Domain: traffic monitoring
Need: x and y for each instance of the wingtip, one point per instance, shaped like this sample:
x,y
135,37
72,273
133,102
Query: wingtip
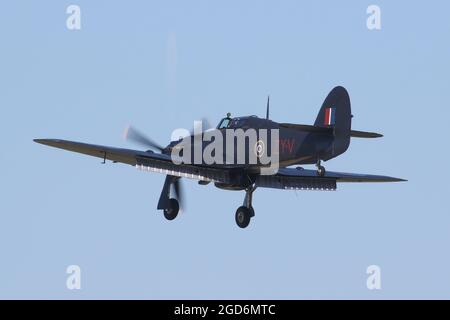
x,y
47,141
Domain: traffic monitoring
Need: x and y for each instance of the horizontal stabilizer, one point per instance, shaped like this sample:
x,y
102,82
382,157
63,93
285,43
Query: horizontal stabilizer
x,y
306,128
364,134
316,129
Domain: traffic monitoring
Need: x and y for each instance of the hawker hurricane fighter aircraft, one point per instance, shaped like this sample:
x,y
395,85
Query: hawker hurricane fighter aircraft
x,y
269,155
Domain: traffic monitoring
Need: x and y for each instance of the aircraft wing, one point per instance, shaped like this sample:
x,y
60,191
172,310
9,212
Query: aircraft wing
x,y
293,178
286,178
143,160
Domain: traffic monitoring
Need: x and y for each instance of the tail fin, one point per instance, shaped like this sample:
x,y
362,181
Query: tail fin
x,y
336,113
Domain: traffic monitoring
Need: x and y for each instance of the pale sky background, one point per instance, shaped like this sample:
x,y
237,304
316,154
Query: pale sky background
x,y
161,65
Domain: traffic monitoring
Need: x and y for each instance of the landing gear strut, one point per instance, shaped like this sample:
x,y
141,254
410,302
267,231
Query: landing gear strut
x,y
245,212
320,169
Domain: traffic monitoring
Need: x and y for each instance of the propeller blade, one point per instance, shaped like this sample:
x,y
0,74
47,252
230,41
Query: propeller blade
x,y
134,135
205,125
177,187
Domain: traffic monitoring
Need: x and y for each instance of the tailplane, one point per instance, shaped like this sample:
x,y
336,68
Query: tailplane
x,y
364,134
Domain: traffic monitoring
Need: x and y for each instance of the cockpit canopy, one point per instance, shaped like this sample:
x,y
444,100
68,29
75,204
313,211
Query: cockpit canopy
x,y
233,123
224,123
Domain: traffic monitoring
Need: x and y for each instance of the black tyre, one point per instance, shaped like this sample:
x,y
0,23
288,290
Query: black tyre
x,y
321,171
172,211
243,215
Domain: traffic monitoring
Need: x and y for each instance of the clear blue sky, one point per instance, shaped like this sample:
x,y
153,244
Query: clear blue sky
x,y
161,65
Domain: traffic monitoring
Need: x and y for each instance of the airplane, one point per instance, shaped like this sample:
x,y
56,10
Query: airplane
x,y
298,144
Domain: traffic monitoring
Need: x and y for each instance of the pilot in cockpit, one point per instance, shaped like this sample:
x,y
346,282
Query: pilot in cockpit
x,y
225,122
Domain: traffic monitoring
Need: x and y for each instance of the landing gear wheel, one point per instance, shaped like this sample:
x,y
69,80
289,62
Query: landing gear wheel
x,y
172,211
321,171
243,215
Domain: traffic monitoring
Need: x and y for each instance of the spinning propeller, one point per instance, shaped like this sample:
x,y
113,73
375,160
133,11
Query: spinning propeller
x,y
135,136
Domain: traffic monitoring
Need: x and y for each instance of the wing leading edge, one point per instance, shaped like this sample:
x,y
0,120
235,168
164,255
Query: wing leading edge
x,y
127,156
142,160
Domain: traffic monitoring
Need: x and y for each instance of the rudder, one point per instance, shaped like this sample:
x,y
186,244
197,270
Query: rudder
x,y
336,113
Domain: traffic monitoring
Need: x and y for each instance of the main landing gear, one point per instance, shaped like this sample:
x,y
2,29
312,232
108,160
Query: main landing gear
x,y
320,169
245,212
172,209
170,206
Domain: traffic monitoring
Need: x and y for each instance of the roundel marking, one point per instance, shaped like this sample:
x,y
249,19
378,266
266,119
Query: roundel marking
x,y
259,148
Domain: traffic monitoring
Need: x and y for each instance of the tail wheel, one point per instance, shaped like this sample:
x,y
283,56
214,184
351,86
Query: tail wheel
x,y
243,215
171,212
321,171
